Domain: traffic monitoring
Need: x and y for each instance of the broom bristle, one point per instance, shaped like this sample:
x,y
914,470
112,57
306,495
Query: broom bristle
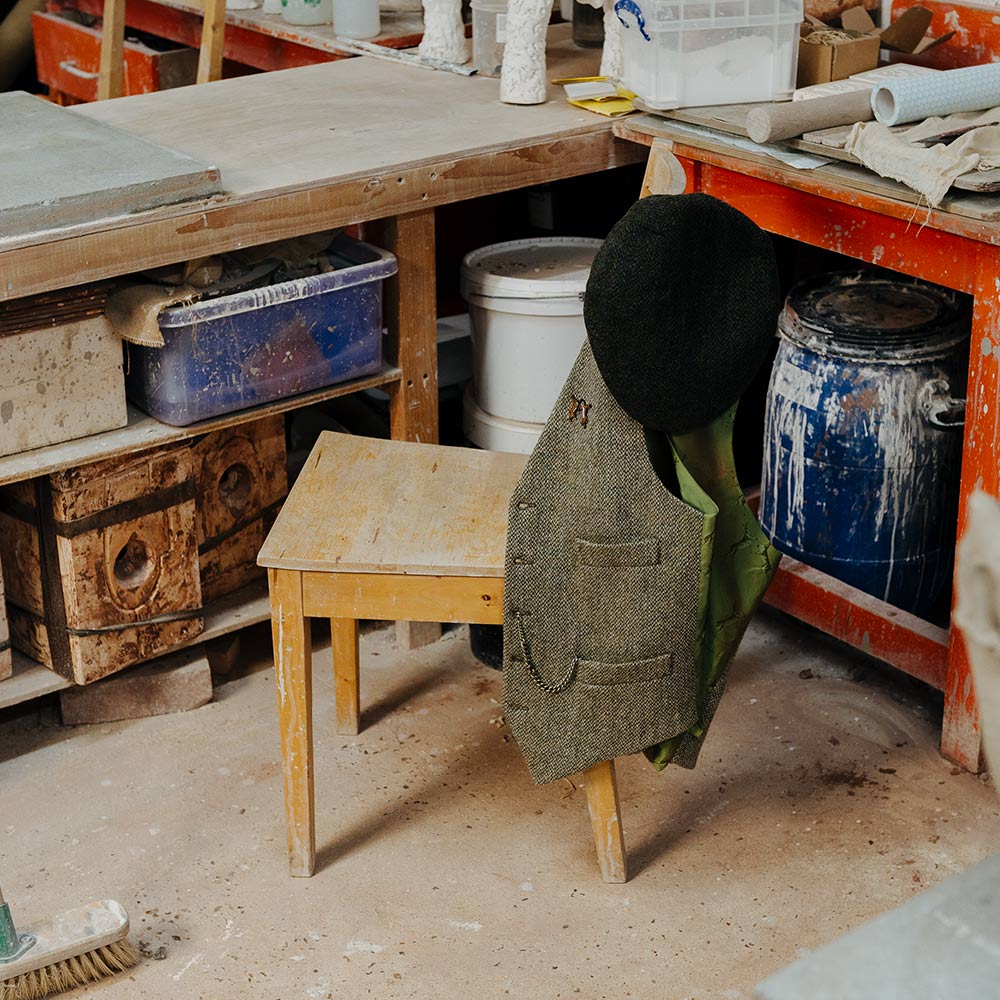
x,y
78,970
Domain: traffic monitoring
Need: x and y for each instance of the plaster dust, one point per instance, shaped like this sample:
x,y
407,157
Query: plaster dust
x,y
820,801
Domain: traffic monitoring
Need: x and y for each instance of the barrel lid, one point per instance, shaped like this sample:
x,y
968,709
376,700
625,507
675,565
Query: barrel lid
x,y
548,268
874,316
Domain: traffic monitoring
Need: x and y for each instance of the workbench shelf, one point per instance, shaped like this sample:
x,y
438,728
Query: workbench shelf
x,y
244,607
143,431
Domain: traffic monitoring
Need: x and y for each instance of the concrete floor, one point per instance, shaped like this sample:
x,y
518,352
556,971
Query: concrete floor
x,y
820,801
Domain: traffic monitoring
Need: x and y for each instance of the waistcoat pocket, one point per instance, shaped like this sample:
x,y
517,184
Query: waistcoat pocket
x,y
642,552
598,674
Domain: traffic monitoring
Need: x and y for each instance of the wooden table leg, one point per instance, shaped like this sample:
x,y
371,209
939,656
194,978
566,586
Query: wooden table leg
x,y
293,676
605,815
346,674
411,318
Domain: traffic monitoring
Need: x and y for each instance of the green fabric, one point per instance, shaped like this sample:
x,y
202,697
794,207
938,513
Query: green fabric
x,y
737,565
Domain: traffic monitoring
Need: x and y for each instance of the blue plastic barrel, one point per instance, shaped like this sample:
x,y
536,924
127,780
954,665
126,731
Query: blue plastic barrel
x,y
863,433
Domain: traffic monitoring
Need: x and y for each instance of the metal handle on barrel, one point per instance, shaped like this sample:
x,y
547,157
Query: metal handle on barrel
x,y
939,408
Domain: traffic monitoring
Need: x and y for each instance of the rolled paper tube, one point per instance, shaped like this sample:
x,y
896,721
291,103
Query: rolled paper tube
x,y
770,123
910,99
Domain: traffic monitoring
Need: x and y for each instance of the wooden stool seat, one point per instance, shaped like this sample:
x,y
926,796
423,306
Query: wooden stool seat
x,y
399,531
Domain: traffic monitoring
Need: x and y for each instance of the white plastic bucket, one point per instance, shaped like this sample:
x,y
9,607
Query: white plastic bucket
x,y
495,433
526,304
356,18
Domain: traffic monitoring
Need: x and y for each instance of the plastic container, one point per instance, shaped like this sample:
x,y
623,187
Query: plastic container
x,y
489,35
239,350
526,304
306,12
272,6
691,53
863,433
356,18
497,433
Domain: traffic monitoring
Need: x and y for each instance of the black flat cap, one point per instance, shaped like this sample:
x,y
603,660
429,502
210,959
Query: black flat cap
x,y
681,308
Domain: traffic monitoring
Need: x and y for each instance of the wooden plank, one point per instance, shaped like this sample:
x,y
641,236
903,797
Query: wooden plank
x,y
365,505
213,28
29,680
605,817
143,431
387,597
112,64
293,681
908,643
63,169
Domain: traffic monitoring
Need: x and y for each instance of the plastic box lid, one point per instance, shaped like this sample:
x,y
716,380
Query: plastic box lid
x,y
364,263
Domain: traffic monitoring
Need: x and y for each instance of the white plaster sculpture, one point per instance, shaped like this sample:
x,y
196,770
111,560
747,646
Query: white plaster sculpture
x,y
522,80
444,32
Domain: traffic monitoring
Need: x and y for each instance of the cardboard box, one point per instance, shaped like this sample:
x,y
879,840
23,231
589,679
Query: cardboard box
x,y
820,63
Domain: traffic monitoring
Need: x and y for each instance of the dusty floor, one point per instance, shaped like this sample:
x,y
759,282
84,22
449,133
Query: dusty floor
x,y
820,801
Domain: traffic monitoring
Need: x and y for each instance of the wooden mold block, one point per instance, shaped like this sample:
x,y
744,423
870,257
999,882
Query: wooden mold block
x,y
59,382
6,660
242,481
101,562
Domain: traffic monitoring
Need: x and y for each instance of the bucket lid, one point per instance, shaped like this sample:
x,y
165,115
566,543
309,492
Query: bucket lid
x,y
551,268
873,316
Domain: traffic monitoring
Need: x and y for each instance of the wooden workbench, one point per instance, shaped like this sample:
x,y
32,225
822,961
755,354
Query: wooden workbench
x,y
303,150
253,38
849,210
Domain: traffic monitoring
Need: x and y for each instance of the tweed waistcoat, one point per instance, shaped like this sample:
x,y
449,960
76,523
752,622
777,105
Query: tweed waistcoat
x,y
601,591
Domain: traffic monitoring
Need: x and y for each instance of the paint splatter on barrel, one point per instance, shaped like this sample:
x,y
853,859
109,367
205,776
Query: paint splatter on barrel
x,y
863,433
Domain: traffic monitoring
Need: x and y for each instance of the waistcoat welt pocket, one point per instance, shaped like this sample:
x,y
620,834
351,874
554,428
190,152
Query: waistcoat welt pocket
x,y
643,552
631,672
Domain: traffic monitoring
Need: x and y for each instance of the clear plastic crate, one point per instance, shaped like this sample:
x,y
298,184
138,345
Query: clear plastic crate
x,y
690,53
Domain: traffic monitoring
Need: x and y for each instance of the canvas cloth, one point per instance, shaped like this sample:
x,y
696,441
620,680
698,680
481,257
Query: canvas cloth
x,y
603,590
904,155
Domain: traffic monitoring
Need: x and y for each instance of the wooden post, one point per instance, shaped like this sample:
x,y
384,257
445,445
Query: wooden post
x,y
346,674
213,31
605,816
960,737
411,317
293,676
110,80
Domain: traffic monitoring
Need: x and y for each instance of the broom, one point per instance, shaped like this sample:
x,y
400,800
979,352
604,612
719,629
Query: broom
x,y
77,947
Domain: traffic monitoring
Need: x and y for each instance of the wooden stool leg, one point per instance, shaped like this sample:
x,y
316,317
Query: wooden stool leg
x,y
346,674
293,676
605,815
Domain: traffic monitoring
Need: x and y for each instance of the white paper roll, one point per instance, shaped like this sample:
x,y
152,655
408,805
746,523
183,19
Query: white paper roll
x,y
911,99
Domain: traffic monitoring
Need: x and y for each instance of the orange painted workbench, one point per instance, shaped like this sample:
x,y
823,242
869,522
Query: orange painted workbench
x,y
842,208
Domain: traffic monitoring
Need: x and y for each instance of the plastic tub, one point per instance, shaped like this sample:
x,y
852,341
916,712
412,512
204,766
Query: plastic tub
x,y
306,12
489,35
356,18
495,433
526,304
691,53
240,350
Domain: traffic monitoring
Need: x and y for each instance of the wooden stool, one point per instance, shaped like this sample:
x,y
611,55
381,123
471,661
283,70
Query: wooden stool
x,y
398,531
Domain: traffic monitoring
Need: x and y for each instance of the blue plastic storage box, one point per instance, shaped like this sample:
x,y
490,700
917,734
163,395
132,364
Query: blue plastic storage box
x,y
239,350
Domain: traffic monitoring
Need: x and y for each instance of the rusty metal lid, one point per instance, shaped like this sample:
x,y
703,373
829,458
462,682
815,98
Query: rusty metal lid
x,y
872,316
